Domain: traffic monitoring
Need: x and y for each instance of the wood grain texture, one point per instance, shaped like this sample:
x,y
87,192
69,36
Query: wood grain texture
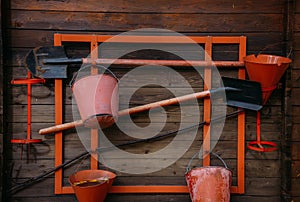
x,y
295,150
297,7
261,187
123,6
173,115
256,41
33,23
266,169
296,40
165,197
297,23
123,22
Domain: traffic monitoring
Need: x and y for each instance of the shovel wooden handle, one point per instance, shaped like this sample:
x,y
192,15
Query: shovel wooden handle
x,y
61,127
65,126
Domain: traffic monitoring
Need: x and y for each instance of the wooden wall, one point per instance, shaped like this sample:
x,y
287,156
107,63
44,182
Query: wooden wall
x,y
294,102
29,24
1,104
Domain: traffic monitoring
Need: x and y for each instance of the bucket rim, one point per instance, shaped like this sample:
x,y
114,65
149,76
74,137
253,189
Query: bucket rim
x,y
90,66
203,167
89,76
285,60
94,170
91,186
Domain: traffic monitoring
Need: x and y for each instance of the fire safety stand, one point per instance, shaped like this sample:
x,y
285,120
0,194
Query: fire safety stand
x,y
208,42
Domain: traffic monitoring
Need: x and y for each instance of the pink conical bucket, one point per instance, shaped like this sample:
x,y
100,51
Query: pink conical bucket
x,y
267,70
97,99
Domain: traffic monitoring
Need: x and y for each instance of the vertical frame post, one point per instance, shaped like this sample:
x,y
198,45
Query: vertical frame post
x,y
58,97
207,103
241,126
94,132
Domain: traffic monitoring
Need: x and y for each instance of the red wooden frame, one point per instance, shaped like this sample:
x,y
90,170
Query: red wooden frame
x,y
208,41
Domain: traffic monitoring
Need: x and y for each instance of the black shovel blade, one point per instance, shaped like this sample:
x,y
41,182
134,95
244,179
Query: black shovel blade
x,y
248,94
34,62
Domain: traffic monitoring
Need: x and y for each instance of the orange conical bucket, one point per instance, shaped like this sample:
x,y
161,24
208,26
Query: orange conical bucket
x,y
97,99
91,185
267,70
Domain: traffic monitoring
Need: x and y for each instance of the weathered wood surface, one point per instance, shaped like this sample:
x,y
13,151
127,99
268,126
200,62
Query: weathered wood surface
x,y
260,187
56,20
44,93
226,149
138,198
296,61
26,39
33,24
295,152
19,112
2,139
254,168
123,6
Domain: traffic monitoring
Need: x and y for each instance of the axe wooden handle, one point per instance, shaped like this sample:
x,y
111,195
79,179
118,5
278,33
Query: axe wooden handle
x,y
133,110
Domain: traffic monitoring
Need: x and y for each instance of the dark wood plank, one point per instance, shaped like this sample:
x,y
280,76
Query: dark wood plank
x,y
295,198
176,22
3,143
56,198
31,39
73,147
46,113
296,39
44,93
263,187
295,150
295,136
295,187
295,114
297,23
254,168
156,197
243,198
296,169
296,60
294,96
33,24
269,131
297,7
295,73
191,6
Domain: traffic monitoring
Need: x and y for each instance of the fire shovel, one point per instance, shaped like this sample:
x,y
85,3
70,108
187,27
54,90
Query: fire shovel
x,y
239,93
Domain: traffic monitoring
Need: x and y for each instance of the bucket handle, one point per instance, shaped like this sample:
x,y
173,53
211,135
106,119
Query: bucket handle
x,y
274,44
188,168
89,65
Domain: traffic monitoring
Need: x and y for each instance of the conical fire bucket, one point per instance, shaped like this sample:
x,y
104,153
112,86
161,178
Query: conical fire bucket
x,y
210,183
267,70
97,99
91,185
